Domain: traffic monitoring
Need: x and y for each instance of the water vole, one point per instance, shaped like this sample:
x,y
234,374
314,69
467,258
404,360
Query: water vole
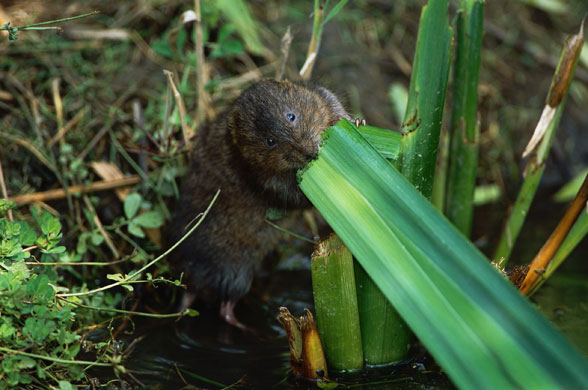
x,y
251,152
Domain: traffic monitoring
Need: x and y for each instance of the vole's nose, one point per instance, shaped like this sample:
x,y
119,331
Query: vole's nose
x,y
311,149
306,153
311,155
308,148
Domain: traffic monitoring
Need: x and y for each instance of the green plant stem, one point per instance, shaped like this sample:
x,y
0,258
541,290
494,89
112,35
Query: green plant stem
x,y
164,254
204,379
128,239
134,313
70,264
53,359
281,229
385,337
315,42
540,144
335,301
518,213
201,79
29,26
438,195
128,158
428,84
465,126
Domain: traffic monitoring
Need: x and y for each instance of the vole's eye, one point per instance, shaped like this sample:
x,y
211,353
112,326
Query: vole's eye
x,y
270,142
291,117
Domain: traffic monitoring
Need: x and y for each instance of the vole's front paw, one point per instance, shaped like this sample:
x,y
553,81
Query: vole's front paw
x,y
359,122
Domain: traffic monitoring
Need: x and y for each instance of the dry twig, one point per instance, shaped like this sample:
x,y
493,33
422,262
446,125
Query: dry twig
x,y
82,189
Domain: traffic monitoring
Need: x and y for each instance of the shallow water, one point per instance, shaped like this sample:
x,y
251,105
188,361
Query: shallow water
x,y
210,354
206,352
564,301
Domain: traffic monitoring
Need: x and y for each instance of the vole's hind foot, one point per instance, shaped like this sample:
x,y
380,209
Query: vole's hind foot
x,y
187,301
227,313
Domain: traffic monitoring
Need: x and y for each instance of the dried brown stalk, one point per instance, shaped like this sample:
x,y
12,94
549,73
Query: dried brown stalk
x,y
58,103
4,192
82,189
307,358
186,131
101,229
285,49
314,46
68,126
542,259
201,79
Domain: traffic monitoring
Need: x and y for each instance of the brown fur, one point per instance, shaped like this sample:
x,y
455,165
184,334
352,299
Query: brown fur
x,y
232,153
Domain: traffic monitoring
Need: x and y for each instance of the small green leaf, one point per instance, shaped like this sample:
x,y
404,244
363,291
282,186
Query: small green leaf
x,y
136,230
97,239
225,32
327,385
82,246
116,277
571,188
336,9
38,330
181,40
232,47
162,48
57,249
6,205
52,226
6,331
40,289
12,229
150,219
27,234
273,214
131,205
26,362
65,385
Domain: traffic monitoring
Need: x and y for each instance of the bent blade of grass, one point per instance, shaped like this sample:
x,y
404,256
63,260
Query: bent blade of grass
x,y
465,125
545,255
577,234
428,84
386,142
540,144
237,12
471,319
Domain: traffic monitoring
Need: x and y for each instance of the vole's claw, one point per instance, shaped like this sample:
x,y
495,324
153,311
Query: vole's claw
x,y
359,122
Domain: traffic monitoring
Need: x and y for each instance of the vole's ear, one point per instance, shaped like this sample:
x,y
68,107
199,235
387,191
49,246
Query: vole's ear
x,y
334,103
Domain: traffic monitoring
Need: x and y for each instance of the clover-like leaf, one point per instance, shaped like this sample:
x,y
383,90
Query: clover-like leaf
x,y
136,230
131,205
150,219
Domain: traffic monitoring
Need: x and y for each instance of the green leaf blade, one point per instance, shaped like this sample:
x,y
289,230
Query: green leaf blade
x,y
462,309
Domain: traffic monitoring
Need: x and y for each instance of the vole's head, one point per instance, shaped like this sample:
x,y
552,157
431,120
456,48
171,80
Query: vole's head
x,y
276,128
